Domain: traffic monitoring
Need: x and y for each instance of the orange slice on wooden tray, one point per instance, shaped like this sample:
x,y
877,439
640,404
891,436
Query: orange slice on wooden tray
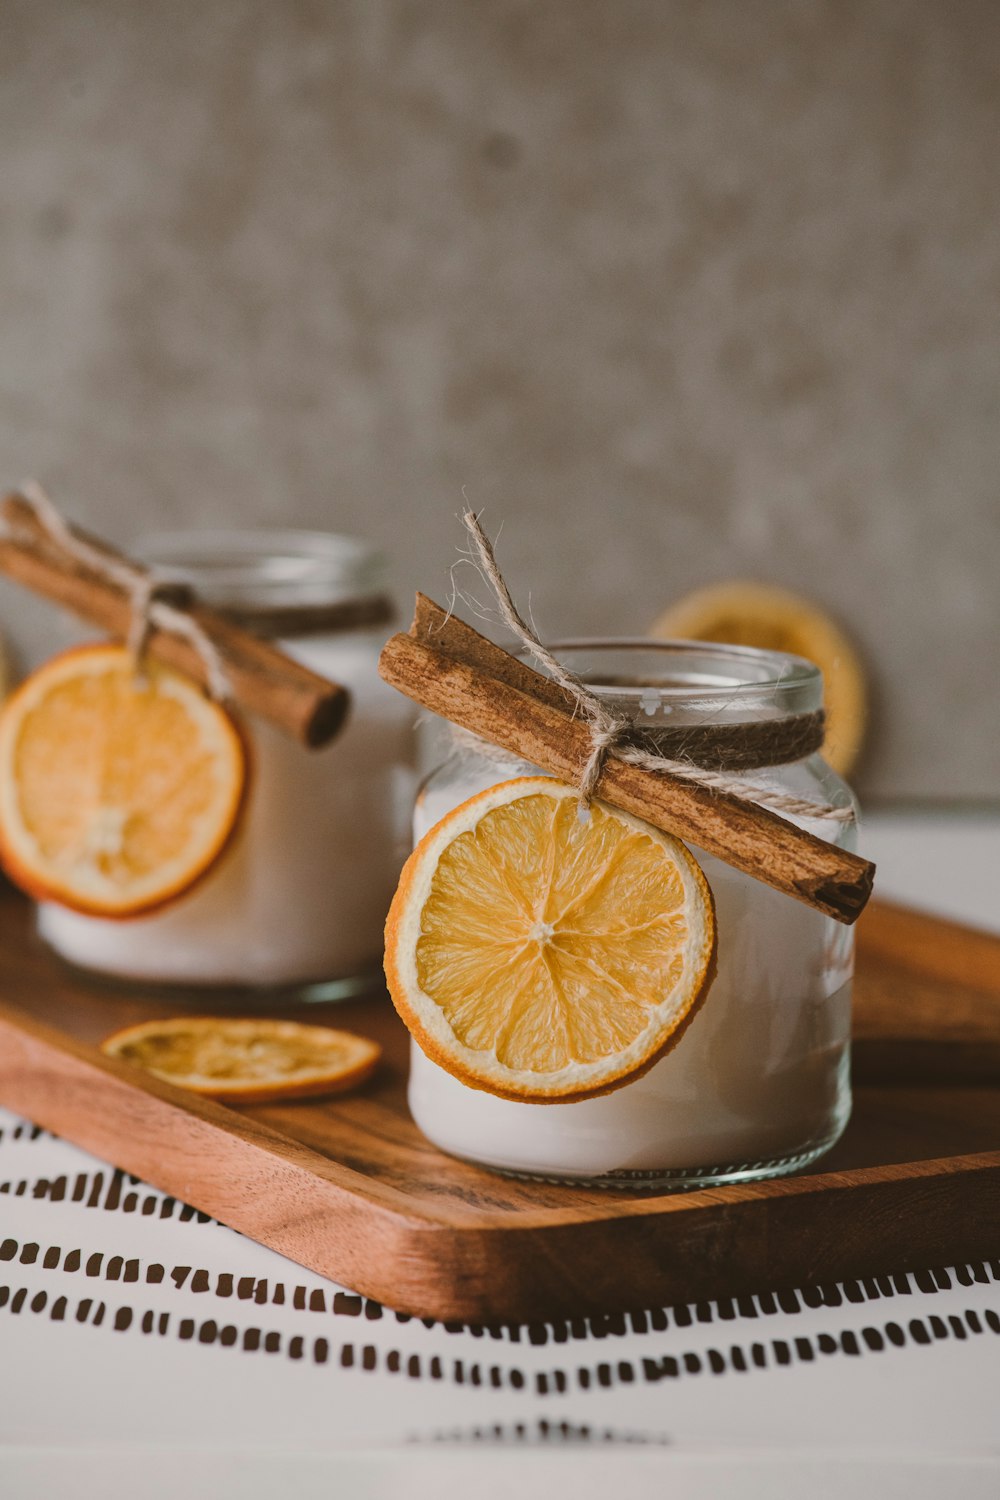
x,y
118,790
247,1062
773,619
545,958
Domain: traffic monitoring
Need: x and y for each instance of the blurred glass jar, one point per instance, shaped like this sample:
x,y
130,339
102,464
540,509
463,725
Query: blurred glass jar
x,y
759,1084
299,900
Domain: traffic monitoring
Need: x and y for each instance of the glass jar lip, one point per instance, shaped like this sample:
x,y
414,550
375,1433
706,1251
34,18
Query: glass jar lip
x,y
752,671
274,569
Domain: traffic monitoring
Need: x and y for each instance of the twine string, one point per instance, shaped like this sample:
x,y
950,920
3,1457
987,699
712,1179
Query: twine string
x,y
607,729
610,731
156,602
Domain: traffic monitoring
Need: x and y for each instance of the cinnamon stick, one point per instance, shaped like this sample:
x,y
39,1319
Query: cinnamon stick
x,y
264,680
452,670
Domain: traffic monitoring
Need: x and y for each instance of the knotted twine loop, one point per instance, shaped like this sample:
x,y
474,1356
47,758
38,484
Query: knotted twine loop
x,y
610,732
157,602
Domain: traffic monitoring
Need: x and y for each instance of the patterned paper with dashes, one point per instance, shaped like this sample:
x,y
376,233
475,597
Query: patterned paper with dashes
x,y
107,1282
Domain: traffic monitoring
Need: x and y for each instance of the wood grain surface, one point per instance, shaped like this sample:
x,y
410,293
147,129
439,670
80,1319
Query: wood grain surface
x,y
351,1189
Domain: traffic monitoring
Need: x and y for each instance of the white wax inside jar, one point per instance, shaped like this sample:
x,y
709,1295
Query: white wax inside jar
x,y
302,893
760,1074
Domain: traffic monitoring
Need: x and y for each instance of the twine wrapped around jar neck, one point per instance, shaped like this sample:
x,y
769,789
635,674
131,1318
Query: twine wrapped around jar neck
x,y
747,746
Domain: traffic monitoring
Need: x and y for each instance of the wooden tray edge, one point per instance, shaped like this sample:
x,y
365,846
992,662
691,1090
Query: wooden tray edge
x,y
328,1218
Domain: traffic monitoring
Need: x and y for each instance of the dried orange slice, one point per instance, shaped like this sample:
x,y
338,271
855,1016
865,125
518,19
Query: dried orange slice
x,y
247,1062
545,958
757,614
117,791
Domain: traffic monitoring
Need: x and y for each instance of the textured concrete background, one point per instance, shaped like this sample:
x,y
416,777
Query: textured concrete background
x,y
676,289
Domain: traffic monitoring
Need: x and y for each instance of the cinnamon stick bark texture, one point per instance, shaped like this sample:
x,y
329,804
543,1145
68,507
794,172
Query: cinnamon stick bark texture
x,y
450,669
264,680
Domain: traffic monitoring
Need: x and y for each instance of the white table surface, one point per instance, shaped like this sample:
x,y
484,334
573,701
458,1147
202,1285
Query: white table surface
x,y
940,860
147,1352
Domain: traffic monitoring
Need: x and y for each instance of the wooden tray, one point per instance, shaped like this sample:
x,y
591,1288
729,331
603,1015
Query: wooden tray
x,y
352,1190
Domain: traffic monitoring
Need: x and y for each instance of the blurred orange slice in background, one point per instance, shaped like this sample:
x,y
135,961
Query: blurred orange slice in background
x,y
773,619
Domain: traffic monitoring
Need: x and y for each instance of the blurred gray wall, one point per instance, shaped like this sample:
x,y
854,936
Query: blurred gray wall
x,y
674,289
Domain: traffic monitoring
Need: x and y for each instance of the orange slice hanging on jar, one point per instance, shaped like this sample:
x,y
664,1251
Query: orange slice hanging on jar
x,y
118,789
546,958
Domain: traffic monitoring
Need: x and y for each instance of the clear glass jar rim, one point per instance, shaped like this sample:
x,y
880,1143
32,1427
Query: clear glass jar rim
x,y
741,672
275,569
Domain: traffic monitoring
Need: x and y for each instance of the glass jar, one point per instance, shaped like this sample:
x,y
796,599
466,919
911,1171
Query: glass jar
x,y
759,1084
299,899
